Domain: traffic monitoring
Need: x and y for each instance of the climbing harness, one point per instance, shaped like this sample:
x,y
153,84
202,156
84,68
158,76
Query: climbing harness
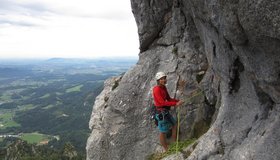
x,y
160,115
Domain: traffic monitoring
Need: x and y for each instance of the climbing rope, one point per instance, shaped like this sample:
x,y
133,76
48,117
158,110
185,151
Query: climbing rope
x,y
178,129
178,118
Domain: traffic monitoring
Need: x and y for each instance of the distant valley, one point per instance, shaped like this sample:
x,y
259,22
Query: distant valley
x,y
50,101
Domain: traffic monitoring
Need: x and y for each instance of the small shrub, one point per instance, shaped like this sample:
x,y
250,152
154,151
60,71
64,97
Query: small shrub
x,y
172,149
116,84
175,51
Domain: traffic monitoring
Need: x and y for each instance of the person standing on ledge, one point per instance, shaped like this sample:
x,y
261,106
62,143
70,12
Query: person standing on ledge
x,y
163,102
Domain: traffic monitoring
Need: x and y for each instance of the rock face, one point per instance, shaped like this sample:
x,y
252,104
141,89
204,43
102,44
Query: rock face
x,y
228,49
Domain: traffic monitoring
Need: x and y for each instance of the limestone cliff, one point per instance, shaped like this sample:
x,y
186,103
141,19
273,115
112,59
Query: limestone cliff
x,y
229,49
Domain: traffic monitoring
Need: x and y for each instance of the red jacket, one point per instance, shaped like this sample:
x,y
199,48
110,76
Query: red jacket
x,y
162,98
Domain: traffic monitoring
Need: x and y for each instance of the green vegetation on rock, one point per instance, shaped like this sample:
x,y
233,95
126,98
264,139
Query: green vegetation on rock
x,y
173,148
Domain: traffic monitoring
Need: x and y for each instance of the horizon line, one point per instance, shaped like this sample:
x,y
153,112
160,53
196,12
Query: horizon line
x,y
47,58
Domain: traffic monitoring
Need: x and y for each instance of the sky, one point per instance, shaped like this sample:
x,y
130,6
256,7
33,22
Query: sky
x,y
67,29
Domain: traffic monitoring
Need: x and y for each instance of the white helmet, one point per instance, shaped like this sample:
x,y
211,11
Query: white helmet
x,y
159,75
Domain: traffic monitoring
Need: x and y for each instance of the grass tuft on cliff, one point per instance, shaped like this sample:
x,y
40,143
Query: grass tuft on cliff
x,y
172,149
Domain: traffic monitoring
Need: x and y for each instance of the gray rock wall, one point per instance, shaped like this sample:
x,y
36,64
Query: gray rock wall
x,y
229,49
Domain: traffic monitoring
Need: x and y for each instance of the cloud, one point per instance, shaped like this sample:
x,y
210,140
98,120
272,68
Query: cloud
x,y
30,13
113,15
17,23
25,8
36,8
107,10
23,14
72,28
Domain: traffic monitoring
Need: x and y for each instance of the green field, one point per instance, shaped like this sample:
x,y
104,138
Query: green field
x,y
49,106
58,93
6,97
26,107
45,96
6,120
35,137
74,89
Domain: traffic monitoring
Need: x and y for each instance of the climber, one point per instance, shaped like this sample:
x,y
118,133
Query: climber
x,y
163,102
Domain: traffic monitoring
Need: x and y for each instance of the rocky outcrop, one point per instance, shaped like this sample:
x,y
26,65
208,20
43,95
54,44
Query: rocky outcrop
x,y
228,49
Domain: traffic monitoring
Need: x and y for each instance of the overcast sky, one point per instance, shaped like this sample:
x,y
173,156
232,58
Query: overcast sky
x,y
70,28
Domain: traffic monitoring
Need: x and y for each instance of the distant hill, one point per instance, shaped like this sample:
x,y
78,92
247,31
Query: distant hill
x,y
98,62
